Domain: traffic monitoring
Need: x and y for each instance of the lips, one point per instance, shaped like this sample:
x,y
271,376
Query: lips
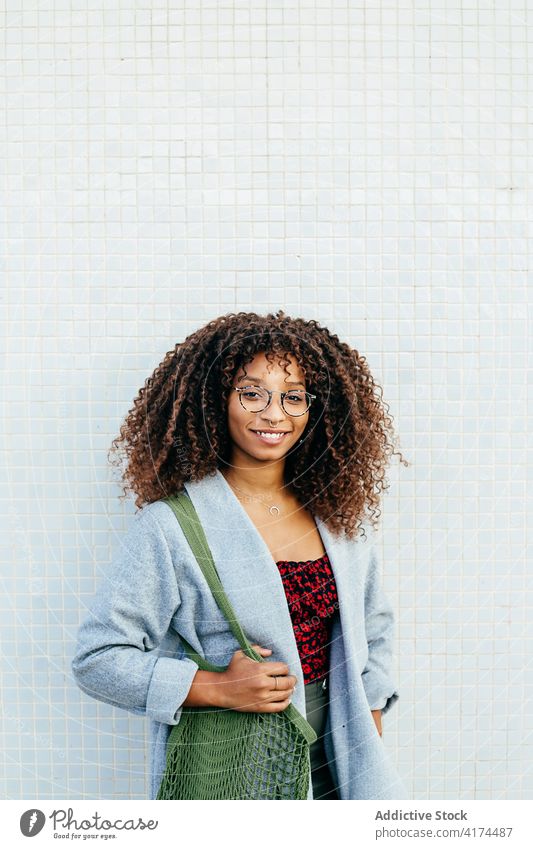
x,y
277,436
270,431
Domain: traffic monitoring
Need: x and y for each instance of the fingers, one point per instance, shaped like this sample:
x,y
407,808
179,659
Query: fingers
x,y
261,649
275,667
282,697
283,682
278,693
282,690
272,667
275,707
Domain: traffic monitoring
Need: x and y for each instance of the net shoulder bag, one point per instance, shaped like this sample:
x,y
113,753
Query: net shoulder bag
x,y
220,753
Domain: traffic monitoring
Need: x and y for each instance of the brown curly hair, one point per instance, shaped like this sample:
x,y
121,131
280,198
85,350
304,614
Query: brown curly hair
x,y
177,429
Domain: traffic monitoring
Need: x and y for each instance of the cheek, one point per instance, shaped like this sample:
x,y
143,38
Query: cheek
x,y
236,418
302,425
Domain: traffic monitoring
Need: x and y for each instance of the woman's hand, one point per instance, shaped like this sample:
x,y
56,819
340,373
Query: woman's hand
x,y
249,685
377,719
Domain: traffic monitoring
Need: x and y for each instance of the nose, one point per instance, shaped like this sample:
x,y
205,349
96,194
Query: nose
x,y
269,411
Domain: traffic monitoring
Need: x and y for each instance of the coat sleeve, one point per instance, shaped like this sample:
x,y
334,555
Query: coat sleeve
x,y
379,684
116,659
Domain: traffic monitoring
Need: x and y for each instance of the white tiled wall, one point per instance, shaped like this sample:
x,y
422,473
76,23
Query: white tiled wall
x,y
365,164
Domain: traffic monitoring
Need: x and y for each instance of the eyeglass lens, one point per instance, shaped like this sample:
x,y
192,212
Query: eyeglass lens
x,y
255,398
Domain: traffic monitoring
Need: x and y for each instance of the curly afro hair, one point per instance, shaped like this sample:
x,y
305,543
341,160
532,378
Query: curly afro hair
x,y
177,428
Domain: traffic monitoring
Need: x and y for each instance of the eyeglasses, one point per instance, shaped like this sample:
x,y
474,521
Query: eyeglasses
x,y
295,402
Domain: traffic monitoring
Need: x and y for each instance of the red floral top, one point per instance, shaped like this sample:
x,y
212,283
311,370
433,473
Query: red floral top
x,y
312,598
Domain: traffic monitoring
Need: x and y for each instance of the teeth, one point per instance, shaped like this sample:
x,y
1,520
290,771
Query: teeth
x,y
272,436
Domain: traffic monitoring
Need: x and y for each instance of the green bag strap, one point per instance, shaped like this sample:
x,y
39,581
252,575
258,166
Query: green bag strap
x,y
190,523
187,516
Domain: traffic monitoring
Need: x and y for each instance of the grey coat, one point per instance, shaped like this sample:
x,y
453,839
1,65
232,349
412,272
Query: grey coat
x,y
129,653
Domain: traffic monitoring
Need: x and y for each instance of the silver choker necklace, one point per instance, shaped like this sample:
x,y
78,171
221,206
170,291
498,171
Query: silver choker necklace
x,y
273,509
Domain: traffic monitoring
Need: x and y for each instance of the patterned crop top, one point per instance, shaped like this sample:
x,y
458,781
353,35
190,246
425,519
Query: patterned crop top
x,y
312,598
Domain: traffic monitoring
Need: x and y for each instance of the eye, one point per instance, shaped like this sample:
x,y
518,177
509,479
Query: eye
x,y
247,391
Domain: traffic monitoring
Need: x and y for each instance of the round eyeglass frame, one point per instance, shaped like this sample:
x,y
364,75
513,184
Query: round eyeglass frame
x,y
270,392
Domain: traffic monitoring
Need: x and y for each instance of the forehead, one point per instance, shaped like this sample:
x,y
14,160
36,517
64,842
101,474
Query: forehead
x,y
261,369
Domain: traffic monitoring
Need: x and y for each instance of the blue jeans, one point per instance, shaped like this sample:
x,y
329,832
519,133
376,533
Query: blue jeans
x,y
316,704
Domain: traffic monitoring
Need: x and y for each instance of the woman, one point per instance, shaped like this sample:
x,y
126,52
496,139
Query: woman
x,y
277,432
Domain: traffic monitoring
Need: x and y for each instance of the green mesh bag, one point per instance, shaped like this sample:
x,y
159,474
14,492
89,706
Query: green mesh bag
x,y
220,753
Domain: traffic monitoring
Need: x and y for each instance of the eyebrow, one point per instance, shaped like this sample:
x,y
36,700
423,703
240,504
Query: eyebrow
x,y
258,380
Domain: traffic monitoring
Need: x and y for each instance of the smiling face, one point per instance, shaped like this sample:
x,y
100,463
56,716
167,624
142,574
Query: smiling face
x,y
243,424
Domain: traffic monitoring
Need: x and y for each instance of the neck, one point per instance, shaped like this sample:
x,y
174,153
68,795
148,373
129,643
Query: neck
x,y
259,481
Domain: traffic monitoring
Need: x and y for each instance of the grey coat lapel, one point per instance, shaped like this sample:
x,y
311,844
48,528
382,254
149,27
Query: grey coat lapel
x,y
247,570
250,575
